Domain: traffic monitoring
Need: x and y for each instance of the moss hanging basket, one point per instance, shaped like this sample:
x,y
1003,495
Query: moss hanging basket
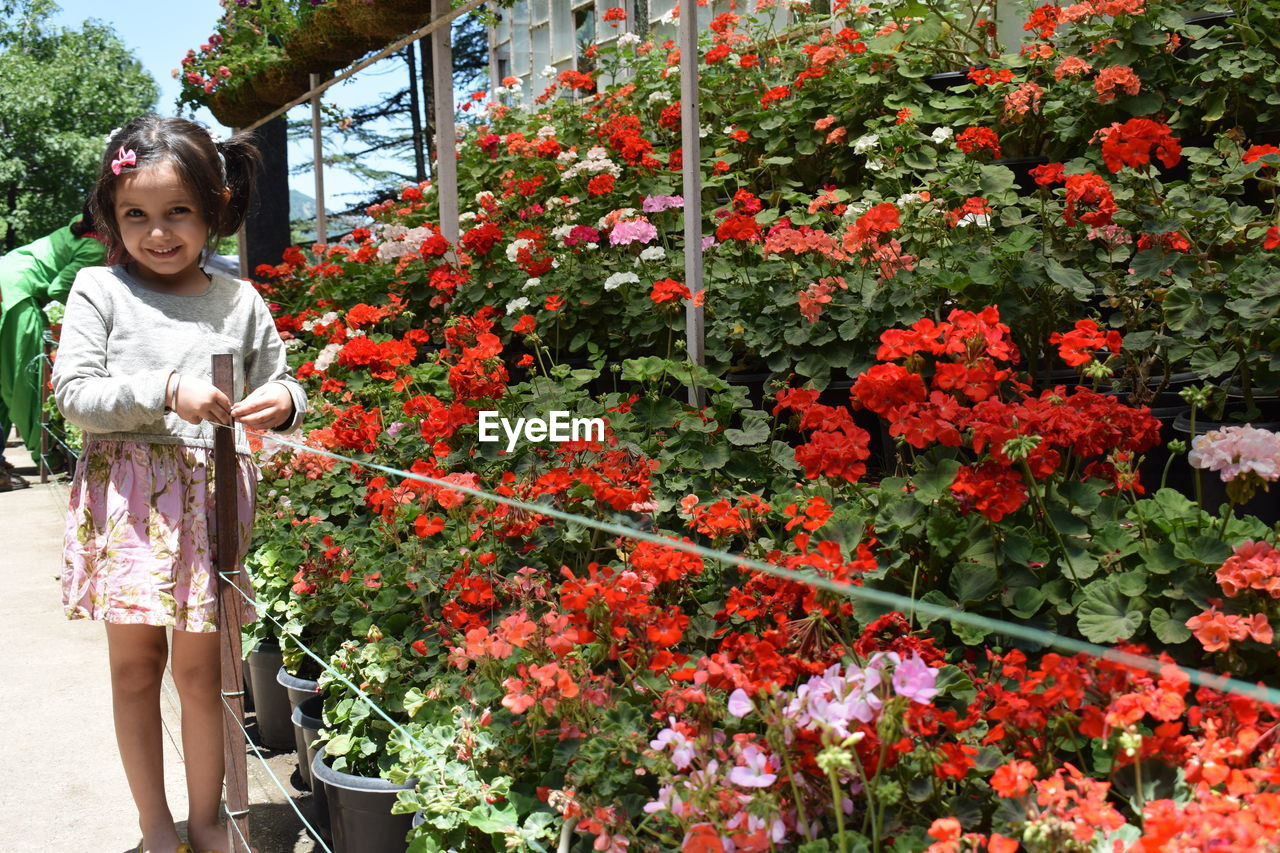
x,y
383,21
237,104
325,42
280,82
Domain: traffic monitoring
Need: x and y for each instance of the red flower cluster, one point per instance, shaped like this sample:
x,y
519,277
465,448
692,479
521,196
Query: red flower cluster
x,y
381,359
1090,199
1136,142
1078,346
973,139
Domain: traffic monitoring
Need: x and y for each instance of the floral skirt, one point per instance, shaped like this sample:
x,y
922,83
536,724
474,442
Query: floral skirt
x,y
141,545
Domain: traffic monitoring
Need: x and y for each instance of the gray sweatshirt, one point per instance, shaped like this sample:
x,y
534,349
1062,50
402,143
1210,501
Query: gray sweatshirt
x,y
121,339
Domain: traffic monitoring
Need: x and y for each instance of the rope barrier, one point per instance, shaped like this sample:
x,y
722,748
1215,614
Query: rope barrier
x,y
884,598
289,797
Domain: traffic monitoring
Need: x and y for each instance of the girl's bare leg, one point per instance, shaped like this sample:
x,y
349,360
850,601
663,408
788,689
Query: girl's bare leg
x,y
197,672
137,654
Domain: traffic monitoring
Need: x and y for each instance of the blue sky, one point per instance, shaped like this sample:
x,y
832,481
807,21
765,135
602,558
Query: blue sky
x,y
159,32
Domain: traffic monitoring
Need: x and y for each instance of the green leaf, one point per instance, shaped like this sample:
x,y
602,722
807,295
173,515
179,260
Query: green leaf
x,y
1205,550
1167,629
338,745
973,581
1208,364
1105,614
755,431
1072,279
1026,601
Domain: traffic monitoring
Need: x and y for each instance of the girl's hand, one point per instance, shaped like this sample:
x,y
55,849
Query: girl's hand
x,y
266,408
196,400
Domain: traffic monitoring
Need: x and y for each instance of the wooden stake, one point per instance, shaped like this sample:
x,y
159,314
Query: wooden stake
x,y
230,602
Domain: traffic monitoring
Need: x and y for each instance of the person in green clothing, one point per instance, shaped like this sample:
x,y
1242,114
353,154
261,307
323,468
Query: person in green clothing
x,y
30,277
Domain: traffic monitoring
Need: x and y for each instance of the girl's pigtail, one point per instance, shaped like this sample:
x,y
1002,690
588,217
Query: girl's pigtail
x,y
240,162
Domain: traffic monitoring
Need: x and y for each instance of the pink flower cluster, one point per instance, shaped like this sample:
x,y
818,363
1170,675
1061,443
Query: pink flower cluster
x,y
835,700
659,203
1237,450
632,231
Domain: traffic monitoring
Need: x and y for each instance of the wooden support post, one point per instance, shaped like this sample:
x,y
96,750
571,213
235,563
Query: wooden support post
x,y
445,173
230,603
691,158
44,415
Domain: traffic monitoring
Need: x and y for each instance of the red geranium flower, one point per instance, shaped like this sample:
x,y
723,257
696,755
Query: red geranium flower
x,y
668,290
973,139
1136,142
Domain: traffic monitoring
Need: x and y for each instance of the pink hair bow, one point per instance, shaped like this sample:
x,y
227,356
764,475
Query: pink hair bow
x,y
125,157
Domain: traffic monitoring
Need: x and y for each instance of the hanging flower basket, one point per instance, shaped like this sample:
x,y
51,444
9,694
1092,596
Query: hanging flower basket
x,y
237,104
280,82
324,42
383,21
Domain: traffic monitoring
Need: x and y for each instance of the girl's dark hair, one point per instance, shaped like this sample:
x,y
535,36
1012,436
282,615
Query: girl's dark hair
x,y
219,174
84,225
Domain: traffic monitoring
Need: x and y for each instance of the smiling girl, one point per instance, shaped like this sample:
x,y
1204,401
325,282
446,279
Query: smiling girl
x,y
133,370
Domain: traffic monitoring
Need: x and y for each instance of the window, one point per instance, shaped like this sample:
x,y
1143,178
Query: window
x,y
584,35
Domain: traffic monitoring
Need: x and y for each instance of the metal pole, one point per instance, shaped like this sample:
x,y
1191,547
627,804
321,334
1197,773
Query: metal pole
x,y
317,155
691,157
230,604
446,170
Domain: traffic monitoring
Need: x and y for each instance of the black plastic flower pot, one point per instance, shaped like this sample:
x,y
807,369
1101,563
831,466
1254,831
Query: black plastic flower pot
x,y
360,815
946,80
298,689
1021,168
270,699
248,685
307,722
1188,51
1213,491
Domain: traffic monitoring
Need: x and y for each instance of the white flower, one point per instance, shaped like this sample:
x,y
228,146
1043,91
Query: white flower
x,y
661,96
326,357
514,247
653,253
669,17
941,134
518,304
549,71
863,144
875,164
909,198
466,216
531,283
560,232
567,156
481,197
979,219
628,39
546,131
618,279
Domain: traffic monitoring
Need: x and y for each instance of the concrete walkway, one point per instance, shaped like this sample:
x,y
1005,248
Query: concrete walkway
x,y
64,788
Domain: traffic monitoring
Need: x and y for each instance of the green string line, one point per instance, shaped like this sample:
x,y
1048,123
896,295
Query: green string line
x,y
884,598
289,797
